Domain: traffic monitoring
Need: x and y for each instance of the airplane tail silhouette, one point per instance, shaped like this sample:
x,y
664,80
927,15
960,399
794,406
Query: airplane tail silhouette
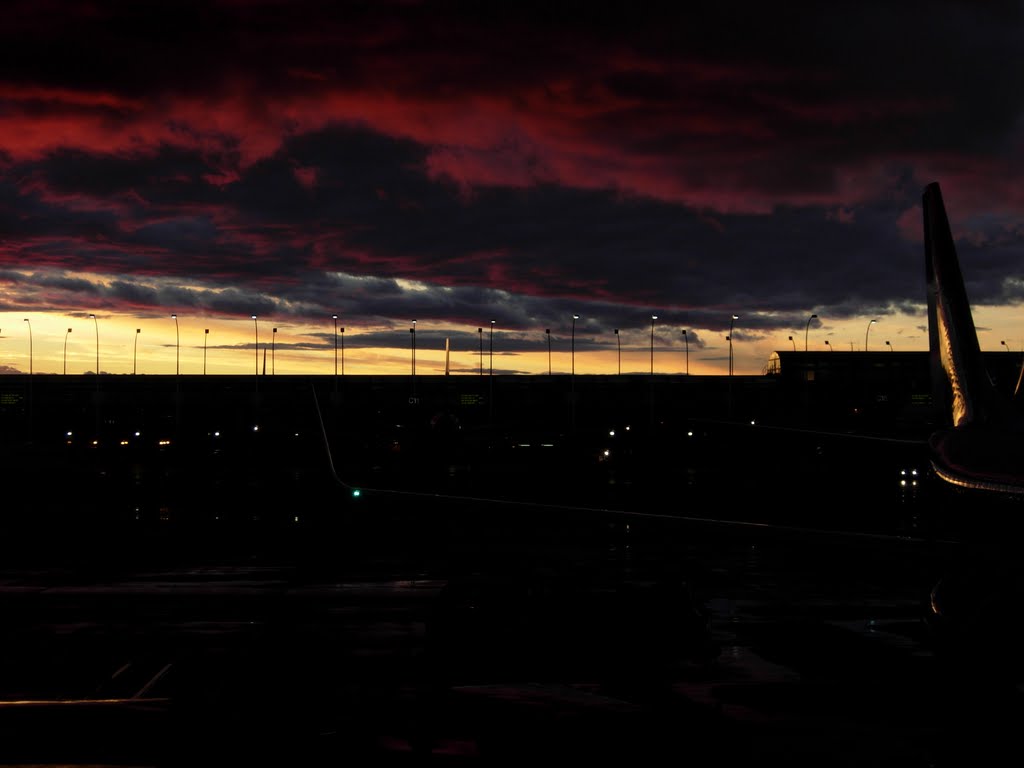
x,y
981,446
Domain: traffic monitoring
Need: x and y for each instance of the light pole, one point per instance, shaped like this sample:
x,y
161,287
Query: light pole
x,y
135,353
866,334
177,347
1005,345
273,340
618,345
412,336
731,326
490,353
547,333
256,327
206,335
653,318
828,345
794,344
96,324
686,341
29,346
343,351
888,345
807,330
572,346
66,352
335,318
480,335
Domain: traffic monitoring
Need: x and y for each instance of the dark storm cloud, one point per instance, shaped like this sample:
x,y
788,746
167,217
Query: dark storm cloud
x,y
524,162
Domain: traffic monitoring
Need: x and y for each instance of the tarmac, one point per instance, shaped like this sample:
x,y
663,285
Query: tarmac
x,y
745,599
470,633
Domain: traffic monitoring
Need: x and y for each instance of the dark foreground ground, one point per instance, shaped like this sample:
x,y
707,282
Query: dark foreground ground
x,y
437,632
705,594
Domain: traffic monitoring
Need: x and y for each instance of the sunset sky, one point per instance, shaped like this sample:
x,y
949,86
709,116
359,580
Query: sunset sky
x,y
457,163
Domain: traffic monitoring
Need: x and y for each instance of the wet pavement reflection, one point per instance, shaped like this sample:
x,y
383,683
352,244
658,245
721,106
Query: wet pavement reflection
x,y
461,632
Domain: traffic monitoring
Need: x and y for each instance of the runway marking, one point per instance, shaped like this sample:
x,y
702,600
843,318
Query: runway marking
x,y
152,682
79,702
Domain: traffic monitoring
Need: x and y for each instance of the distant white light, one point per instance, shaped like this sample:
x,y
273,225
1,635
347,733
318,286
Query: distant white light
x,y
690,433
255,427
137,434
69,433
611,433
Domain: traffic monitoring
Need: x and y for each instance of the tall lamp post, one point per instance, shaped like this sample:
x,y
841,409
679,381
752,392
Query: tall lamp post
x,y
490,353
256,328
342,351
412,336
135,354
29,346
206,335
66,352
1005,345
480,335
547,332
618,345
572,346
335,318
866,334
653,318
273,364
731,326
177,347
794,344
807,330
96,324
686,341
888,345
828,345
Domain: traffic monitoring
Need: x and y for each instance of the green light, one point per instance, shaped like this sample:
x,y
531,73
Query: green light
x,y
356,493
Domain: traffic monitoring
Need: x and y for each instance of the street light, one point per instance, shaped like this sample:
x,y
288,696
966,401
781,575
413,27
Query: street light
x,y
335,318
256,327
866,334
1005,345
342,351
807,330
653,318
794,344
29,346
828,345
491,351
177,347
135,352
96,324
618,344
412,336
686,340
480,335
206,335
66,352
888,345
731,325
547,332
273,366
572,346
